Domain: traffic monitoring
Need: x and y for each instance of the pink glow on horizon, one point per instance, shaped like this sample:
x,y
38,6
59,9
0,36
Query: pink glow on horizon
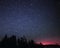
x,y
48,42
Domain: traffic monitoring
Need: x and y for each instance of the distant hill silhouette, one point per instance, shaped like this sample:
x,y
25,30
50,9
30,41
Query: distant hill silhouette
x,y
22,42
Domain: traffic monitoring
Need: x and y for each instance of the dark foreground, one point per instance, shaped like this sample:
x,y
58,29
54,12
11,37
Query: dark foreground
x,y
36,46
12,42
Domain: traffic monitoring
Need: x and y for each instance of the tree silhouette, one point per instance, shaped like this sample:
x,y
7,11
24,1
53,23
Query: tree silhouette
x,y
4,41
11,42
41,43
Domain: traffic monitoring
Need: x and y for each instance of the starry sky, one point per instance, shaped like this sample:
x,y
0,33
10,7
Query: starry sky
x,y
36,19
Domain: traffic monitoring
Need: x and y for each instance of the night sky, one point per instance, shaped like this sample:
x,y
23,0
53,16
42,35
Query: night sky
x,y
36,19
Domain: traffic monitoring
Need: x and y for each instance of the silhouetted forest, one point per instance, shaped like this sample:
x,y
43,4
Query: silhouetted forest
x,y
12,42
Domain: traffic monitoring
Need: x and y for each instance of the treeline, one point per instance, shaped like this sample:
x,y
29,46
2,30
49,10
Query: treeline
x,y
12,42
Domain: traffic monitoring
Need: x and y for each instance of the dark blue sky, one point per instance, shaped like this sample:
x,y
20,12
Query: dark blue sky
x,y
36,19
